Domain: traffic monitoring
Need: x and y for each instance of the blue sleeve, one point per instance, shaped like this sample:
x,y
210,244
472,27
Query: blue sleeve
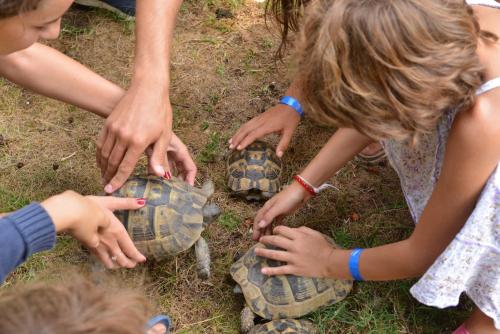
x,y
23,233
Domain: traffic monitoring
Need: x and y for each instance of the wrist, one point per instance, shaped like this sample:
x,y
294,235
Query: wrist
x,y
305,195
60,210
294,104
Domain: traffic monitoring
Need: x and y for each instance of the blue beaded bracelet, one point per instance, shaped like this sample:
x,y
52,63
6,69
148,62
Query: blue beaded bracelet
x,y
290,101
354,264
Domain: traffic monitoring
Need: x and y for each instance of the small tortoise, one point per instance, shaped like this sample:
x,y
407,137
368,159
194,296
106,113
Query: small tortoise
x,y
255,172
172,220
285,326
283,296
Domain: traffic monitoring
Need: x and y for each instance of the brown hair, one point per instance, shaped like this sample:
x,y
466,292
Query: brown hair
x,y
288,14
389,68
75,306
10,8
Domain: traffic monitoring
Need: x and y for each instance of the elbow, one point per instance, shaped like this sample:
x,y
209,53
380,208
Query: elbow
x,y
13,66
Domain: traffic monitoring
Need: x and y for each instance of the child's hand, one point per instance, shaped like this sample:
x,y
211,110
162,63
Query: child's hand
x,y
280,118
90,220
306,252
178,159
285,202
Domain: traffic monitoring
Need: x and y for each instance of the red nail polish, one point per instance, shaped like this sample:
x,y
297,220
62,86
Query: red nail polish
x,y
168,176
141,201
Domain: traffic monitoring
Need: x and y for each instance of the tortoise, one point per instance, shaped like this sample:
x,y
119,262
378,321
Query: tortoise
x,y
255,172
172,220
285,326
281,296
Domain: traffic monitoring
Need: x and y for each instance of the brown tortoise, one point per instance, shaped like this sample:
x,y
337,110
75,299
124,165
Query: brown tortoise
x,y
255,172
282,296
172,220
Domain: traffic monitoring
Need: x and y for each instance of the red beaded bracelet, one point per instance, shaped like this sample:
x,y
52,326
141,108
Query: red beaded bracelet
x,y
305,184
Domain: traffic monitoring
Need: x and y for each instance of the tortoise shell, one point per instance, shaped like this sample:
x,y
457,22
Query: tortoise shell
x,y
288,326
255,169
172,219
284,296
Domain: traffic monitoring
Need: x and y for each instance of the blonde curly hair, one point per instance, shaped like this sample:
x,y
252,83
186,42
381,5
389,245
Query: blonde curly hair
x,y
389,69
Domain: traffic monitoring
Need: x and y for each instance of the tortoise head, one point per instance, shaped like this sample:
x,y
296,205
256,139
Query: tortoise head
x,y
210,212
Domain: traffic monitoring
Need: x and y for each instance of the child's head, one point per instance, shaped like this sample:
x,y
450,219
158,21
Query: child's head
x,y
389,68
75,306
24,22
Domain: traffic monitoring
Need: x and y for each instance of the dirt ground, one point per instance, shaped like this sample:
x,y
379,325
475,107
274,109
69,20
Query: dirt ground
x,y
223,74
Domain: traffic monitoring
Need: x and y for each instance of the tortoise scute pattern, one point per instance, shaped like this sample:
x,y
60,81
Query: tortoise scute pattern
x,y
170,222
256,168
285,326
285,296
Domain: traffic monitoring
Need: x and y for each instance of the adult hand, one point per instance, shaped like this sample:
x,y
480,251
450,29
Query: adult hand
x,y
285,202
281,119
90,220
179,159
304,251
141,119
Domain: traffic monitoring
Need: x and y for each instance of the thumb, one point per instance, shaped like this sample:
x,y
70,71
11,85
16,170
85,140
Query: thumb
x,y
158,158
119,203
286,137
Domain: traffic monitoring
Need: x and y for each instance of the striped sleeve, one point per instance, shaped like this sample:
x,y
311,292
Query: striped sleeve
x,y
23,233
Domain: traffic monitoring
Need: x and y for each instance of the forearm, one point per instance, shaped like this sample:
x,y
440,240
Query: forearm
x,y
340,149
154,33
46,71
295,89
398,260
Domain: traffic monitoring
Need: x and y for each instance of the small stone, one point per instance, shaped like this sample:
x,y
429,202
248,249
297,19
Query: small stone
x,y
71,120
55,166
354,217
19,165
223,13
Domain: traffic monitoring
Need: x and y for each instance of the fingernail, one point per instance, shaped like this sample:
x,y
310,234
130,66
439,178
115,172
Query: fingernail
x,y
279,154
230,140
231,146
108,188
141,201
239,147
264,271
262,223
143,259
167,175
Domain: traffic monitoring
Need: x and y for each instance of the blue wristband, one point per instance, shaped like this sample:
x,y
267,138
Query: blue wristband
x,y
354,264
290,101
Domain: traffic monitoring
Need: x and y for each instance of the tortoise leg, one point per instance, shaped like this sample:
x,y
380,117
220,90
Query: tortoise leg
x,y
267,194
247,320
203,258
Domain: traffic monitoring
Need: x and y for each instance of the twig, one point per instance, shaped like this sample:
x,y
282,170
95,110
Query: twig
x,y
69,156
180,105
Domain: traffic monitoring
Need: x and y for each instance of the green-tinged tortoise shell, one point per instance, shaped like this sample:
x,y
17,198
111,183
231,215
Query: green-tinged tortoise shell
x,y
256,168
288,326
284,296
170,222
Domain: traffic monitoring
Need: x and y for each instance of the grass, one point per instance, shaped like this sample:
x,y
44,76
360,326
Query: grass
x,y
229,220
211,150
219,79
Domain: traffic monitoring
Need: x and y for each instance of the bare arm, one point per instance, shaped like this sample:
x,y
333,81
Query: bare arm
x,y
47,71
340,149
146,105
